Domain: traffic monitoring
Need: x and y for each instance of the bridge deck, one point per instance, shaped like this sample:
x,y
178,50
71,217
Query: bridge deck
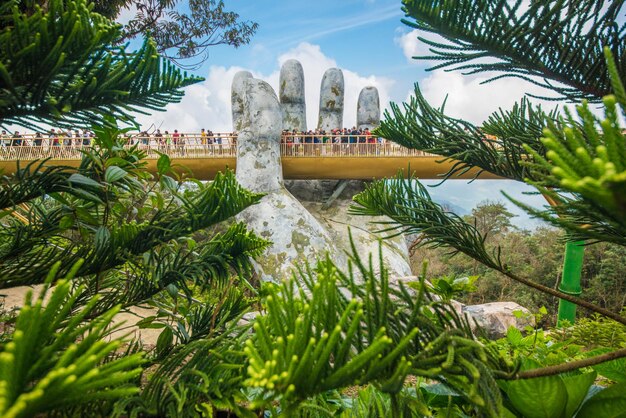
x,y
300,161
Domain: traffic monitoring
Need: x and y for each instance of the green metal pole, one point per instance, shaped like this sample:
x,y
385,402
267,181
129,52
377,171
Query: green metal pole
x,y
570,281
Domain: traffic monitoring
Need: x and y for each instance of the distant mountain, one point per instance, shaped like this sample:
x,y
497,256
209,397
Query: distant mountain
x,y
458,210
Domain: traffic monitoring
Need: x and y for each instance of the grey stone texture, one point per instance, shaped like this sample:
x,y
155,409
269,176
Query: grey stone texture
x,y
291,94
340,224
331,100
259,166
297,237
495,318
236,98
368,108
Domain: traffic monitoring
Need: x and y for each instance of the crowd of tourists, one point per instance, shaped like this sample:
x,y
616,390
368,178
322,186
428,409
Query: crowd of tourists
x,y
342,141
165,138
52,138
334,136
59,137
75,138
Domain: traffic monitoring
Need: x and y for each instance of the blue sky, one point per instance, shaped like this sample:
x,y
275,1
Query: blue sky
x,y
367,40
358,34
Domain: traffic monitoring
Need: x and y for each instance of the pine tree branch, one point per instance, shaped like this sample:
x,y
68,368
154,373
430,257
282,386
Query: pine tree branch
x,y
497,147
535,41
567,367
411,210
113,245
57,67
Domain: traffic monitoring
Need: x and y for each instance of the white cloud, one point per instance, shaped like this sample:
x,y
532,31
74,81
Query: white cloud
x,y
410,45
207,104
470,100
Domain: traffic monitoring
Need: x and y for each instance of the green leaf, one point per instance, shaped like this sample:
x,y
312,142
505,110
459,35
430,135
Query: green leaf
x,y
114,173
577,387
163,164
609,403
79,179
172,290
164,342
439,395
102,239
66,222
543,397
148,322
614,369
169,183
514,336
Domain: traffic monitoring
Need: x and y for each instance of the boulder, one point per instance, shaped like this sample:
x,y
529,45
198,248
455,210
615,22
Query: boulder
x,y
495,318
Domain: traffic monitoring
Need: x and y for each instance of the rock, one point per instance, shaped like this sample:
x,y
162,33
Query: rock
x,y
495,318
331,100
296,236
236,98
291,93
368,108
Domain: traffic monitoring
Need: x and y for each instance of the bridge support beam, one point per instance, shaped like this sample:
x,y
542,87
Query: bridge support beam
x,y
339,187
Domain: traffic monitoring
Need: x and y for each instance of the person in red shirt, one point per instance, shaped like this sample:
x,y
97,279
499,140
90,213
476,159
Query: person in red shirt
x,y
175,138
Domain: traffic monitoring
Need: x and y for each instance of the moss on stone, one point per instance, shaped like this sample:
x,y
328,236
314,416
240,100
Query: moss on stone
x,y
300,241
273,264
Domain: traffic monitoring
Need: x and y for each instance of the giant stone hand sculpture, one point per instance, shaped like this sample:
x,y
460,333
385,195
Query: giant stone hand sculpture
x,y
301,229
296,236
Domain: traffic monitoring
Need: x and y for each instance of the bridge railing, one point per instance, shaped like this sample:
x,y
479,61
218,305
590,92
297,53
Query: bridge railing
x,y
201,146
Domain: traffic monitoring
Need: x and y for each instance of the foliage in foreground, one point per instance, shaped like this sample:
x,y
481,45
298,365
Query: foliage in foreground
x,y
144,240
58,65
58,356
339,330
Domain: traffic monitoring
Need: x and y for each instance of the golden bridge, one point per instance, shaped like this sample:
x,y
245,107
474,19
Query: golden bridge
x,y
303,157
